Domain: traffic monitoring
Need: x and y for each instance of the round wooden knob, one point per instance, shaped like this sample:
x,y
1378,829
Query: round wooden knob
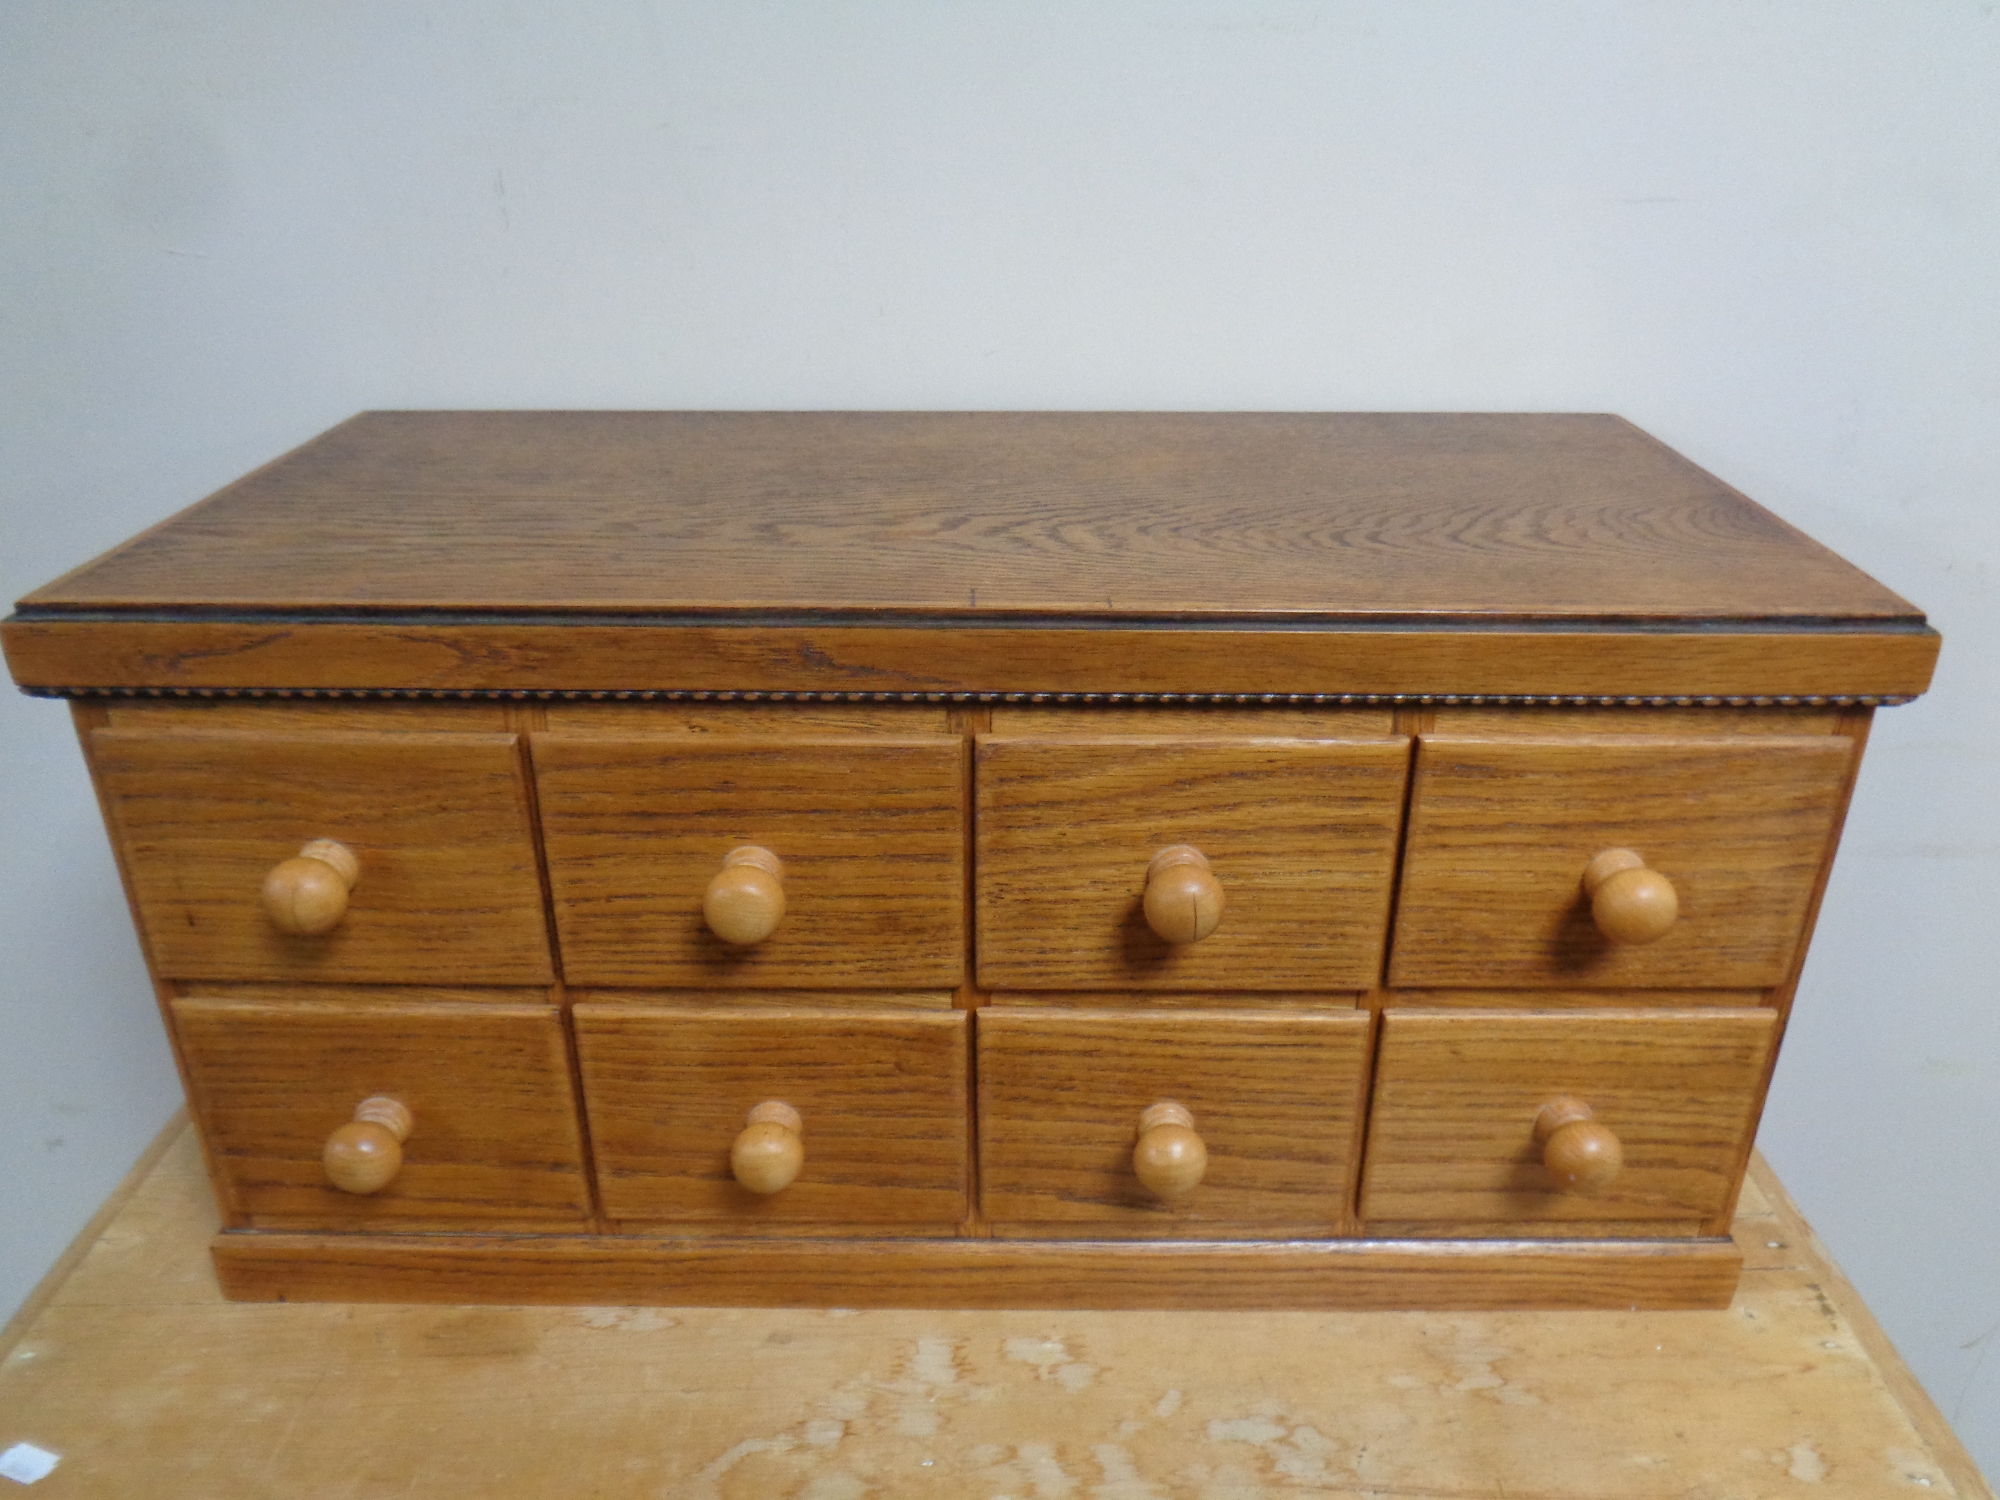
x,y
364,1155
768,1154
1581,1153
307,894
1183,899
1631,903
746,900
1170,1158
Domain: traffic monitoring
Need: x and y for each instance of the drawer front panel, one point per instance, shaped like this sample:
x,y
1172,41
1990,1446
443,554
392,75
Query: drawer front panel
x,y
870,835
1452,1139
881,1098
1501,831
447,891
1276,1099
1300,834
495,1143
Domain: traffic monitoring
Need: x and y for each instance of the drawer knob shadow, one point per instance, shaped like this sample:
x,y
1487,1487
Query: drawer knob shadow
x,y
1183,901
306,895
746,900
364,1155
1581,1153
1630,903
1170,1158
768,1154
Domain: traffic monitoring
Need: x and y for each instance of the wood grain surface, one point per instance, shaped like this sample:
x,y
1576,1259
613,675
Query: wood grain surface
x,y
737,720
1301,834
1276,1099
448,893
496,1143
1196,721
883,1098
1061,512
1562,999
1516,721
1154,1000
430,654
147,1382
1451,1129
1398,558
1299,1276
870,831
532,995
766,999
1501,830
305,715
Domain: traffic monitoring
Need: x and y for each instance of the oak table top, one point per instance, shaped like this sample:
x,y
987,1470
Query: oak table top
x,y
1341,516
134,1370
1372,556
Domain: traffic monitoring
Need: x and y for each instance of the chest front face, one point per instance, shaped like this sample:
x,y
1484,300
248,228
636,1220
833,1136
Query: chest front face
x,y
1119,861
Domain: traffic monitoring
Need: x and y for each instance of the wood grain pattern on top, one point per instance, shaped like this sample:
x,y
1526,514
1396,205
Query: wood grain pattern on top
x,y
1272,516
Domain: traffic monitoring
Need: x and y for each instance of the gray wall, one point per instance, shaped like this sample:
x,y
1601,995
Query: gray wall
x,y
1764,231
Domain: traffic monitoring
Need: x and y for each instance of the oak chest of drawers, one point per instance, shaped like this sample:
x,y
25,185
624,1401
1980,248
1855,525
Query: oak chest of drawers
x,y
975,859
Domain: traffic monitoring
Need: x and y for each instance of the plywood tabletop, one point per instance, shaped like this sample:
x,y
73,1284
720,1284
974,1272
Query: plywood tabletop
x,y
146,1382
1273,517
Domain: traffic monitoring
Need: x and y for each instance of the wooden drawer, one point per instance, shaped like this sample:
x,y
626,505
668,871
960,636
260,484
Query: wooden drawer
x,y
1301,834
869,832
1502,830
495,1143
1452,1145
447,891
1275,1098
881,1098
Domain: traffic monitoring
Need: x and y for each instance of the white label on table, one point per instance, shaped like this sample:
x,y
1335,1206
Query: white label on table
x,y
24,1463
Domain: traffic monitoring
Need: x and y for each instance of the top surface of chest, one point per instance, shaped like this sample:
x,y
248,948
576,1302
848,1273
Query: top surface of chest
x,y
1037,552
1060,513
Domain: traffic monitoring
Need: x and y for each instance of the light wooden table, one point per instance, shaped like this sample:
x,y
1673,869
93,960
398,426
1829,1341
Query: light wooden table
x,y
130,1365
